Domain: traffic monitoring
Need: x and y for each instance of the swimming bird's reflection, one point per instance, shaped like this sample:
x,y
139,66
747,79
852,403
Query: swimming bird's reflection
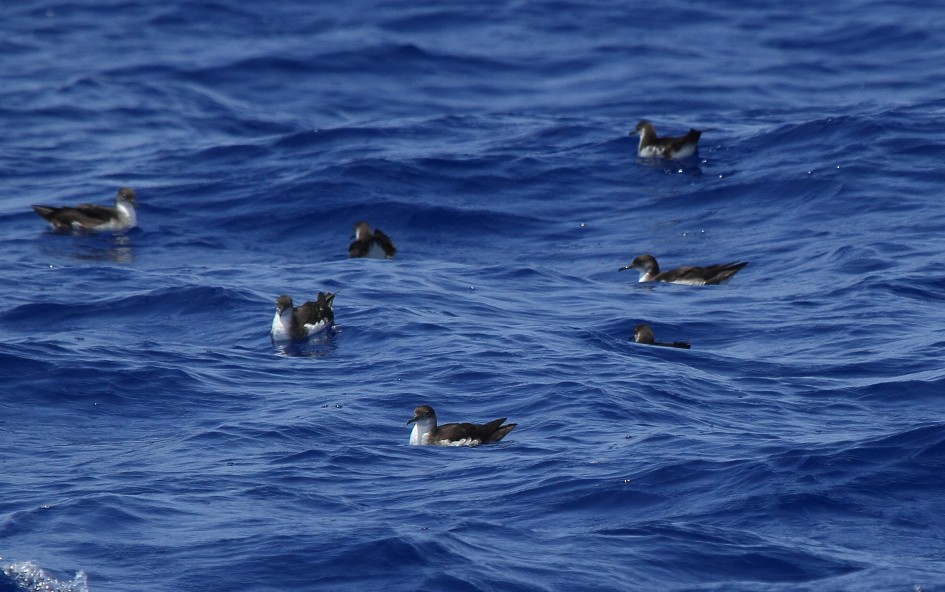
x,y
317,347
115,248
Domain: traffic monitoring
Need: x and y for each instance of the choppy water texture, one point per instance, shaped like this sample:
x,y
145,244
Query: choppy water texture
x,y
153,439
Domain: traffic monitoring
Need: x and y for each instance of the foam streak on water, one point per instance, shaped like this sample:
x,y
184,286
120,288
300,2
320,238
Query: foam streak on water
x,y
29,576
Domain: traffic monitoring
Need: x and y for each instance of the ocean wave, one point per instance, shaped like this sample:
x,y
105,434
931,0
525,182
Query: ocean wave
x,y
150,424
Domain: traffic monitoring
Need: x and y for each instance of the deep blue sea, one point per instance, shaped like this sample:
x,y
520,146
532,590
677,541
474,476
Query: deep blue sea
x,y
154,439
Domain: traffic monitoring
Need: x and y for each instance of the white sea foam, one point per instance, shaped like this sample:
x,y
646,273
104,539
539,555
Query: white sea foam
x,y
30,576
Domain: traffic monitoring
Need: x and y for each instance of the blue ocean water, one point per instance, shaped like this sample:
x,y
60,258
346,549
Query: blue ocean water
x,y
154,439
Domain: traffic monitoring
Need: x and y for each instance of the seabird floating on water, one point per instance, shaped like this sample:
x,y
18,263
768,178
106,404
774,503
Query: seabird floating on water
x,y
376,245
93,217
426,432
643,334
669,147
304,321
694,276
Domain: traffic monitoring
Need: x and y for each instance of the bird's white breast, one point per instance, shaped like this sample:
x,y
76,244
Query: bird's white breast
x,y
127,218
280,329
376,252
420,434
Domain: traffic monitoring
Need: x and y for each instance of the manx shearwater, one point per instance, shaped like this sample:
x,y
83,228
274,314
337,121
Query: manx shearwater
x,y
694,276
303,321
426,432
643,334
668,147
373,245
92,217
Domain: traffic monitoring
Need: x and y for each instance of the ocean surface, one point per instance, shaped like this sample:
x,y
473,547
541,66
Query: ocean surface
x,y
153,438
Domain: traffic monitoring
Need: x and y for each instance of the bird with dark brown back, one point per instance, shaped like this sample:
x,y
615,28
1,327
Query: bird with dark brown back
x,y
92,217
671,148
690,275
427,432
291,323
642,333
372,245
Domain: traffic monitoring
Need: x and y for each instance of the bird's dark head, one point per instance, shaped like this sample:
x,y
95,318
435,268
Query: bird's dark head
x,y
642,333
361,231
642,127
126,194
645,263
283,303
421,413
